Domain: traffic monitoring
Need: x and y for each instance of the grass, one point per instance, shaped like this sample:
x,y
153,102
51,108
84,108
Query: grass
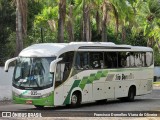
x,y
156,83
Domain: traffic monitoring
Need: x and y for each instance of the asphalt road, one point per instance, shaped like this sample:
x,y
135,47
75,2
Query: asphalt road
x,y
149,102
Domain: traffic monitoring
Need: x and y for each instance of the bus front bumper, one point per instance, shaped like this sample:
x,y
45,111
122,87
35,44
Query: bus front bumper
x,y
43,101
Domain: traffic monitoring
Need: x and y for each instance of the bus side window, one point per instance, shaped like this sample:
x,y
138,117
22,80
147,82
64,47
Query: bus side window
x,y
132,59
82,61
149,59
128,59
138,59
59,72
96,60
143,59
64,67
122,59
110,59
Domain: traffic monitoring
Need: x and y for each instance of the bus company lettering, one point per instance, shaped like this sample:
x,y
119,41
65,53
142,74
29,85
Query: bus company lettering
x,y
124,77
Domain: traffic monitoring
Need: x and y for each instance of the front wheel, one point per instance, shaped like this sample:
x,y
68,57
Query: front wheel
x,y
75,100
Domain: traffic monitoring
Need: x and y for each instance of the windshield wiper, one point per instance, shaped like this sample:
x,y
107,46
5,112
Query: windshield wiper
x,y
35,80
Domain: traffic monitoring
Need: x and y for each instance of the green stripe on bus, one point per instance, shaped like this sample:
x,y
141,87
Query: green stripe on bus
x,y
98,75
75,84
91,78
104,73
85,80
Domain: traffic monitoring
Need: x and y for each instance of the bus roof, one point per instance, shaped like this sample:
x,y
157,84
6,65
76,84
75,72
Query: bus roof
x,y
55,49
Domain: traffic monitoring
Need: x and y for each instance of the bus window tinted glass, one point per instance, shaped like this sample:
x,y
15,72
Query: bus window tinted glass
x,y
82,61
110,59
149,59
122,59
96,60
64,67
139,58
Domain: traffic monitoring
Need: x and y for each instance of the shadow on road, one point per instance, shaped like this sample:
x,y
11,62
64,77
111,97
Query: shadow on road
x,y
92,104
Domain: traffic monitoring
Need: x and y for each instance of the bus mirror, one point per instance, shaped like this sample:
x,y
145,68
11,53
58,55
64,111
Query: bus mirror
x,y
6,67
53,65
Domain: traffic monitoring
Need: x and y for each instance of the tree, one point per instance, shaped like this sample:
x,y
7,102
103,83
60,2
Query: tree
x,y
148,15
86,33
7,28
21,24
105,9
123,13
69,23
61,20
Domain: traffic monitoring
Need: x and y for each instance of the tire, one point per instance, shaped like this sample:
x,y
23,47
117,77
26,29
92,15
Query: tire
x,y
131,95
75,100
39,106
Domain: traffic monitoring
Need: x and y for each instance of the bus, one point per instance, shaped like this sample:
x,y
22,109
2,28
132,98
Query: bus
x,y
58,74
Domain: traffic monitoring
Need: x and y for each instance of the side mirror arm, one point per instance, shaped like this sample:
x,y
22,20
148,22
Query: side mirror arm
x,y
6,67
53,64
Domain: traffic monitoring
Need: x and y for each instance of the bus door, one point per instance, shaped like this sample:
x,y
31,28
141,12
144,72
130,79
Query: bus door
x,y
58,93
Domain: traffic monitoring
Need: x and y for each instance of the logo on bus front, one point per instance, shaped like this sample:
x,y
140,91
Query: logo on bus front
x,y
32,93
35,93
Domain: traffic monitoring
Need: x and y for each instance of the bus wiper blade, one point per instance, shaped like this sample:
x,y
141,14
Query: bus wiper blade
x,y
36,82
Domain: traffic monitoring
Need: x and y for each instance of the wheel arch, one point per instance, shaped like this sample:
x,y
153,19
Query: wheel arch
x,y
134,88
76,90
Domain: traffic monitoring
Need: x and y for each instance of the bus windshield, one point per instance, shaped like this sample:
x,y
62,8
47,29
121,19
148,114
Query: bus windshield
x,y
33,73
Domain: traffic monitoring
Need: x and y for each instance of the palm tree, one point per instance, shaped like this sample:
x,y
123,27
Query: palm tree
x,y
105,9
85,16
148,15
86,21
153,22
21,23
116,15
61,20
70,21
122,13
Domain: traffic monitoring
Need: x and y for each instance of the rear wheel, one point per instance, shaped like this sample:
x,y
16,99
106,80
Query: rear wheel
x,y
39,106
131,94
75,99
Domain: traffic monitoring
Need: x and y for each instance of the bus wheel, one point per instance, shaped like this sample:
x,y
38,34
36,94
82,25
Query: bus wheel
x,y
75,99
39,106
131,94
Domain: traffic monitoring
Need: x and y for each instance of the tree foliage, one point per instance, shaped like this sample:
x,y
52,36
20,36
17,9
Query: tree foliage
x,y
135,22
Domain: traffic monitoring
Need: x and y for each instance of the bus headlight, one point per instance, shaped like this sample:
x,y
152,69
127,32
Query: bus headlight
x,y
46,95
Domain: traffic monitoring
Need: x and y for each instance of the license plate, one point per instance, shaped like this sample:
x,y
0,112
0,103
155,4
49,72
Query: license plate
x,y
28,101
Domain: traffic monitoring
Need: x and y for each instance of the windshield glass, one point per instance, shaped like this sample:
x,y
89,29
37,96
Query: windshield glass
x,y
33,73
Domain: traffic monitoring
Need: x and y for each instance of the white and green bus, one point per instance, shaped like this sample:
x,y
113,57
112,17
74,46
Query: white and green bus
x,y
55,74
